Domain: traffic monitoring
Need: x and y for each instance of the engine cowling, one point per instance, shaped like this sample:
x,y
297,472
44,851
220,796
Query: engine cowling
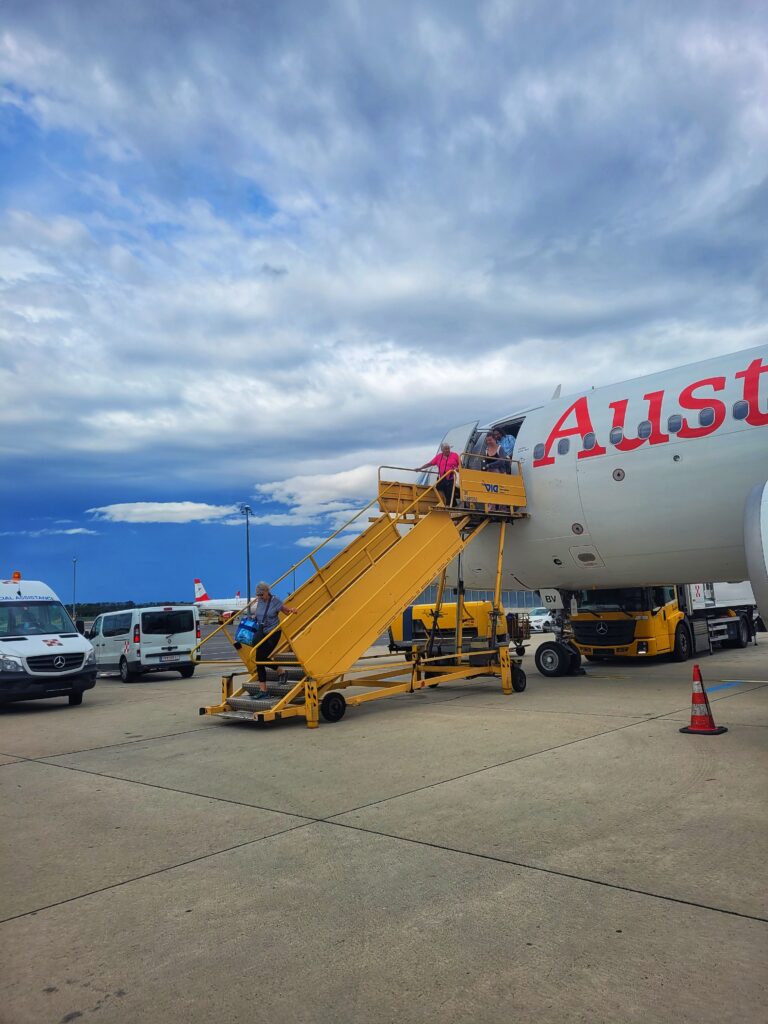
x,y
756,544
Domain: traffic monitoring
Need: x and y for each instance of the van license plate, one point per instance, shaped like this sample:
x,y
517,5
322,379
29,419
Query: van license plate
x,y
169,657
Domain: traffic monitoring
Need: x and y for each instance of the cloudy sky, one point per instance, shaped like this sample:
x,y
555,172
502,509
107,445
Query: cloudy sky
x,y
250,250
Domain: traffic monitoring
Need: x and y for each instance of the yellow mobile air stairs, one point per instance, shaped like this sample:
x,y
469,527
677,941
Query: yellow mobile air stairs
x,y
345,606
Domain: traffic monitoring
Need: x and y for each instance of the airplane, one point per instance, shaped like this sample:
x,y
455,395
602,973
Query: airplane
x,y
211,604
655,479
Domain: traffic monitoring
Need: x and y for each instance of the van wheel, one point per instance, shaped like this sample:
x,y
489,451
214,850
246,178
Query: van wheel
x,y
187,672
75,699
682,649
126,673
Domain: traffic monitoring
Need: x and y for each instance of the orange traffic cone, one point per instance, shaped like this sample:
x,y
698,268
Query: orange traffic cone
x,y
702,722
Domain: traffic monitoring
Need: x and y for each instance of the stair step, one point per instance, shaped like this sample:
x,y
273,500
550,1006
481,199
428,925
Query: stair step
x,y
254,703
273,689
236,716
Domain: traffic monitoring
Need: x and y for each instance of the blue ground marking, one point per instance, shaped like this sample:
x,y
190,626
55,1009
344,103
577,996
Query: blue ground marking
x,y
725,686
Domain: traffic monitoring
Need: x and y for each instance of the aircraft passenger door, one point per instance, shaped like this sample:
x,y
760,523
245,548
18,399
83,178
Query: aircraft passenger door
x,y
459,439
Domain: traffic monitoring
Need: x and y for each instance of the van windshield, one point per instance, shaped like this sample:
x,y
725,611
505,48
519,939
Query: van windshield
x,y
34,618
157,623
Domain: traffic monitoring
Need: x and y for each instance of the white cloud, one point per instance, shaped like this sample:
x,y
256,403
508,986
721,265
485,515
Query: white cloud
x,y
266,249
163,512
47,532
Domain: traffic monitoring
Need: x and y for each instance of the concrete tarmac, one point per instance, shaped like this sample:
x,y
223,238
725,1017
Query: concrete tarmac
x,y
559,855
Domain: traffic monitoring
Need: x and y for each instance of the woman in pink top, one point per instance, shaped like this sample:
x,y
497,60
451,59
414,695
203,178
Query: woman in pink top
x,y
447,462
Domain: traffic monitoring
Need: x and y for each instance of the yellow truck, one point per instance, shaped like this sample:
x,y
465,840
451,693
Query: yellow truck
x,y
411,630
676,620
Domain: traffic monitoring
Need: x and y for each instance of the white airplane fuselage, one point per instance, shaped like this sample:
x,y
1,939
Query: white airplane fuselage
x,y
665,506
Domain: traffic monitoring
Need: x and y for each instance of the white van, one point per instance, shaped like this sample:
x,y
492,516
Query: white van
x,y
140,640
41,652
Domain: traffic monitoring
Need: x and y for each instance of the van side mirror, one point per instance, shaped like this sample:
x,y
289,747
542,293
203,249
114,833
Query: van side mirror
x,y
80,626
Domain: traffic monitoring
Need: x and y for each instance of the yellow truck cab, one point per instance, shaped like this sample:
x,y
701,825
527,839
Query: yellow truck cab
x,y
412,629
678,620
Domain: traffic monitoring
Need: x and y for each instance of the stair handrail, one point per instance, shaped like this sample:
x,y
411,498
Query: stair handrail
x,y
394,518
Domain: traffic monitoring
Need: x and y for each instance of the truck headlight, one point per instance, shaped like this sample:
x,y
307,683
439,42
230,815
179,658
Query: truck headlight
x,y
10,664
90,658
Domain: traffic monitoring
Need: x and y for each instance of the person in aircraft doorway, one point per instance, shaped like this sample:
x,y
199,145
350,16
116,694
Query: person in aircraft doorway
x,y
447,462
495,462
266,608
506,444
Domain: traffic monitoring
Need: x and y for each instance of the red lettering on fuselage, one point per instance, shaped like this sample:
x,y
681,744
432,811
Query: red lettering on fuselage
x,y
577,418
751,378
628,444
689,401
582,426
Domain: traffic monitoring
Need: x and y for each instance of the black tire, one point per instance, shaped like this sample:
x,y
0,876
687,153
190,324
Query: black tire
x,y
76,699
682,649
547,627
332,707
126,673
520,651
519,681
553,659
742,640
575,666
187,672
433,686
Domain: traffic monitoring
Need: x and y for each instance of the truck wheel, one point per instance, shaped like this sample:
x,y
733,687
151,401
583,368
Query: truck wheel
x,y
126,673
519,681
332,707
75,699
553,659
682,649
575,669
742,637
187,672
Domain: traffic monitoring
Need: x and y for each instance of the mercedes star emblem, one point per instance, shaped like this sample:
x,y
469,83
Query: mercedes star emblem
x,y
59,662
602,628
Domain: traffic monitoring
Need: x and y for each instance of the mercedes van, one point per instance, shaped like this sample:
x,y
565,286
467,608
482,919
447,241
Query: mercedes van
x,y
41,652
140,640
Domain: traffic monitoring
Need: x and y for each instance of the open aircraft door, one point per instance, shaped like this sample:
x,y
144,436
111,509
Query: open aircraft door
x,y
459,438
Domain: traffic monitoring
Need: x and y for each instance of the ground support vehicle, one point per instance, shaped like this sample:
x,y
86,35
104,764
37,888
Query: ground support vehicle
x,y
675,620
140,640
347,604
434,627
41,652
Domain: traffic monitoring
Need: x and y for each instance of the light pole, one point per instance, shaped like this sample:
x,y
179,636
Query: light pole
x,y
247,511
74,589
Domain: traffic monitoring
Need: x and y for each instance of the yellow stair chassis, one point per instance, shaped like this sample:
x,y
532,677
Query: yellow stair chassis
x,y
349,602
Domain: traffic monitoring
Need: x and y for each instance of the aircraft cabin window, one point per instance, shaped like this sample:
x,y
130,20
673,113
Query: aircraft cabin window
x,y
563,445
589,441
740,409
644,429
616,435
674,423
538,451
707,417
